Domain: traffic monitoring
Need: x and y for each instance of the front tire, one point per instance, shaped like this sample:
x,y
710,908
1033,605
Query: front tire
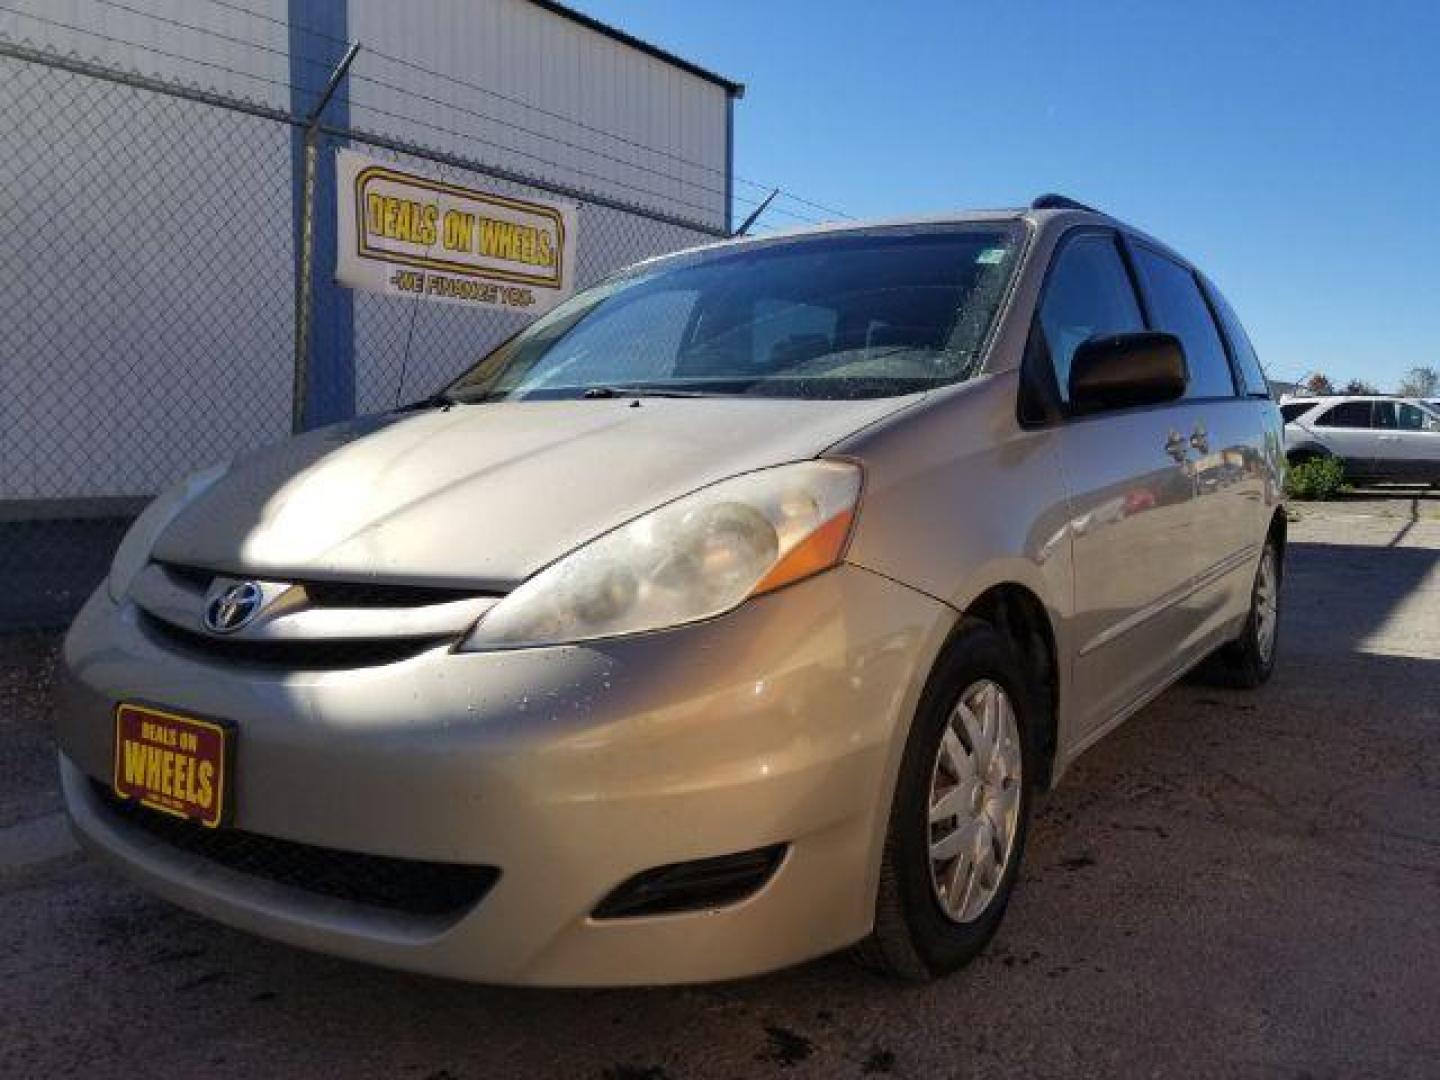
x,y
960,814
1249,660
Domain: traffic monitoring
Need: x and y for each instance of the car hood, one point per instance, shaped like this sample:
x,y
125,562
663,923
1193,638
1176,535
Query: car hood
x,y
484,495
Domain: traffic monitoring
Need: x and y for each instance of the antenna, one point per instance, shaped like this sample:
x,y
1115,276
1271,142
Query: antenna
x,y
744,228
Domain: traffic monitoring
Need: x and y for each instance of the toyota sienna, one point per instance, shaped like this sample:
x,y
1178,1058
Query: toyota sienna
x,y
733,613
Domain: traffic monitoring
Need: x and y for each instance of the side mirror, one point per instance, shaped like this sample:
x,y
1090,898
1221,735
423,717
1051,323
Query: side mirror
x,y
1118,371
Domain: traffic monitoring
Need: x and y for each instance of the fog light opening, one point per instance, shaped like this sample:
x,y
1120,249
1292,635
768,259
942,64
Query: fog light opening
x,y
698,885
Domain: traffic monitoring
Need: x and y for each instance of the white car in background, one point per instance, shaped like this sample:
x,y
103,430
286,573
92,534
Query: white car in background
x,y
1377,438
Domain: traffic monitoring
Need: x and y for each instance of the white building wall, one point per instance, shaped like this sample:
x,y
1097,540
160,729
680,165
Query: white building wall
x,y
150,37
148,299
644,131
147,303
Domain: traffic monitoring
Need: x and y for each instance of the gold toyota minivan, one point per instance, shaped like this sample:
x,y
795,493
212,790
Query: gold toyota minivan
x,y
733,613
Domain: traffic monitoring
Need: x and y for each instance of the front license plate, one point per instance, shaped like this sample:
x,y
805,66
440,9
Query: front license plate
x,y
177,764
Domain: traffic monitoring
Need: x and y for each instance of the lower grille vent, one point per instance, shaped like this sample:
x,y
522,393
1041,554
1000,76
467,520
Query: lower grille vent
x,y
404,885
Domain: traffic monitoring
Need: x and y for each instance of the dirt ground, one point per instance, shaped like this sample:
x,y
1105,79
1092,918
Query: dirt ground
x,y
1231,885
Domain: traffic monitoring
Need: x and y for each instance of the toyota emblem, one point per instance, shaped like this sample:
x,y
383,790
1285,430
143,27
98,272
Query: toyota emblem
x,y
234,607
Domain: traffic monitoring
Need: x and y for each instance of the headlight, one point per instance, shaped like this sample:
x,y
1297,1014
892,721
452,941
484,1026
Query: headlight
x,y
691,559
134,551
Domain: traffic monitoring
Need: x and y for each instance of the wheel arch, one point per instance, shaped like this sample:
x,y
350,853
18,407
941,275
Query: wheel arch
x,y
1279,533
1309,450
1022,618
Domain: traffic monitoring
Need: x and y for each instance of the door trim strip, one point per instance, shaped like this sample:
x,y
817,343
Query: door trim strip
x,y
1175,596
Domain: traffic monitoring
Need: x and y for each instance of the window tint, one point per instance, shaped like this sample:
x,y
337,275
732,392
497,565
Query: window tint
x,y
1384,415
1414,418
1180,309
1351,414
1252,374
1088,293
1295,410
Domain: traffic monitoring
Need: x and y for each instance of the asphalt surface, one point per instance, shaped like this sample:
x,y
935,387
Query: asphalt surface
x,y
1233,884
48,567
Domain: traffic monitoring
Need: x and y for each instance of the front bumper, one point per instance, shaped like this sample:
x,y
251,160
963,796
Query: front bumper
x,y
569,769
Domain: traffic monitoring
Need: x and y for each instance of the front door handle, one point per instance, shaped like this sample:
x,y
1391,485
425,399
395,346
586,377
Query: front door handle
x,y
1199,439
1175,446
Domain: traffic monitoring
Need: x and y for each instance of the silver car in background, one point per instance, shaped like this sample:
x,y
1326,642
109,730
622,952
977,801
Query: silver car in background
x,y
1391,439
732,614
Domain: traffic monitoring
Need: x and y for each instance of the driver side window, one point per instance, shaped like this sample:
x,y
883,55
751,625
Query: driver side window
x,y
1089,293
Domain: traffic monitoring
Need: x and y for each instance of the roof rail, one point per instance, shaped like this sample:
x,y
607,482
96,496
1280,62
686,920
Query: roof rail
x,y
1051,201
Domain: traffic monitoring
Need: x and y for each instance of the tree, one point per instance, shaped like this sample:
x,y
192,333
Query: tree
x,y
1421,382
1359,386
1319,384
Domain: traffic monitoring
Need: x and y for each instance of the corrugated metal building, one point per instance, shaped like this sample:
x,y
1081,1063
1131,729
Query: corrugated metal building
x,y
569,98
148,328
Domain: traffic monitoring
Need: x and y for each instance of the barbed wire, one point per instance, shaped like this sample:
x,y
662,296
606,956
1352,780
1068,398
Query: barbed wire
x,y
359,77
114,40
467,136
542,110
406,118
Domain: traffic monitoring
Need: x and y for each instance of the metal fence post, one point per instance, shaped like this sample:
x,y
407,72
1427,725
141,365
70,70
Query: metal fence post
x,y
305,263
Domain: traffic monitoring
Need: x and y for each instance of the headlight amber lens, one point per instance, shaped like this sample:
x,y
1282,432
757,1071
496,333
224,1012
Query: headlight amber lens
x,y
688,560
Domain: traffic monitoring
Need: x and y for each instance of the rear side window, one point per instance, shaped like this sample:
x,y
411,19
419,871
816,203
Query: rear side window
x,y
1349,414
1401,416
1295,410
1251,373
1414,418
1179,308
1088,293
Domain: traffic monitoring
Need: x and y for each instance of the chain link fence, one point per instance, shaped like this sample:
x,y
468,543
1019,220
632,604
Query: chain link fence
x,y
148,282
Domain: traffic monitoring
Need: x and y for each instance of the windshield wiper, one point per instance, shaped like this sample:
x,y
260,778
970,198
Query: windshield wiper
x,y
641,392
442,401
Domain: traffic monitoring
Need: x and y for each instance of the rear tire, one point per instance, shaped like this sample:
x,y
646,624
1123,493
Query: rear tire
x,y
1249,660
969,751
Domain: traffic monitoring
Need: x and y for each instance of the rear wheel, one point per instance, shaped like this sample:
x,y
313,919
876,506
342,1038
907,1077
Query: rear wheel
x,y
1249,660
960,814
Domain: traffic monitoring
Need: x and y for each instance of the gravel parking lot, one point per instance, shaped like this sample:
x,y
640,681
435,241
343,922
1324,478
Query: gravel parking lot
x,y
1233,884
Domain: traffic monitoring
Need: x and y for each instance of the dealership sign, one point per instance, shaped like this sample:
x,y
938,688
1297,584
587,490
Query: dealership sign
x,y
411,235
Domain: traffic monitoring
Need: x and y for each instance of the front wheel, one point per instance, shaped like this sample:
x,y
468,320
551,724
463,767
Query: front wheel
x,y
960,814
1249,660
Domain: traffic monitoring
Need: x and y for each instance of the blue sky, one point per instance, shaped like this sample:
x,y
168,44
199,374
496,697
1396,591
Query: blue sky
x,y
1291,149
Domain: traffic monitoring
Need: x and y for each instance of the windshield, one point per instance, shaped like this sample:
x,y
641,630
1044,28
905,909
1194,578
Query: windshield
x,y
844,316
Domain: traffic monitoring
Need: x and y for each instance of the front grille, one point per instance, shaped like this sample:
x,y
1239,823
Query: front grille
x,y
339,594
325,654
354,594
411,886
